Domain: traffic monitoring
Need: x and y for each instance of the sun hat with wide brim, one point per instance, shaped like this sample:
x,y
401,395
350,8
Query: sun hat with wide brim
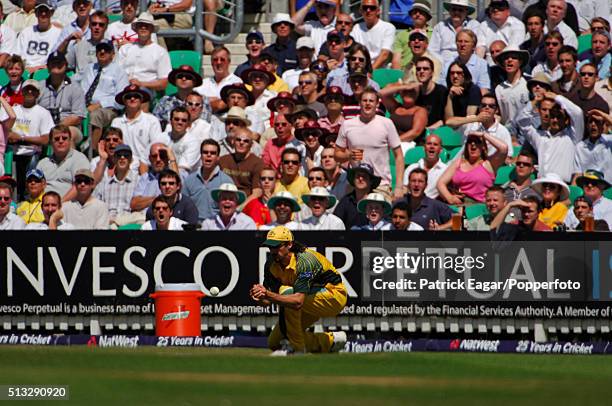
x,y
129,90
228,187
365,168
374,198
319,191
259,68
552,177
592,175
541,79
422,5
144,18
282,96
237,113
186,69
512,50
284,195
302,110
460,3
227,90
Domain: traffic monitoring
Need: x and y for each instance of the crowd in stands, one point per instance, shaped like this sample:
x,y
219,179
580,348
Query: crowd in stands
x,y
499,121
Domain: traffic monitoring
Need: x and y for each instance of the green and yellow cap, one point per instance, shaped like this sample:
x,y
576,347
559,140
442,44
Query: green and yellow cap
x,y
277,236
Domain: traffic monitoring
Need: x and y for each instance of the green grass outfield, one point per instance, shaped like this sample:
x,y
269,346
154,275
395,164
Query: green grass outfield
x,y
197,376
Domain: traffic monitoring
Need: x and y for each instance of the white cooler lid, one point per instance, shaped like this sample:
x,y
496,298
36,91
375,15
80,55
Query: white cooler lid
x,y
178,287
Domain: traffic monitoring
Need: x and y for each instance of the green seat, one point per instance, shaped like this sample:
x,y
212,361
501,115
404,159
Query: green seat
x,y
450,138
516,150
575,191
475,210
178,58
385,76
444,155
392,168
584,43
114,17
41,74
413,155
131,226
504,174
454,208
8,161
608,193
453,153
4,79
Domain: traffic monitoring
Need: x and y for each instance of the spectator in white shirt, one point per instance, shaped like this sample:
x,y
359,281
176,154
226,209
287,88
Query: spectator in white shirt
x,y
594,184
431,163
228,198
375,34
319,200
221,59
121,32
595,150
499,25
162,217
512,94
146,63
85,211
8,220
443,35
317,30
140,129
555,12
376,208
553,42
36,42
284,204
185,144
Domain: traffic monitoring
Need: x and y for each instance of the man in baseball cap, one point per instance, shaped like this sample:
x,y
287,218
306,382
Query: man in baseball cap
x,y
317,291
254,44
30,210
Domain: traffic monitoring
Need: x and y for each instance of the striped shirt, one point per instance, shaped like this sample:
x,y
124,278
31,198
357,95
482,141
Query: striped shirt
x,y
117,193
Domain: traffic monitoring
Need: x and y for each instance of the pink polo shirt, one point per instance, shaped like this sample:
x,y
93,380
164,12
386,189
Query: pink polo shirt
x,y
376,138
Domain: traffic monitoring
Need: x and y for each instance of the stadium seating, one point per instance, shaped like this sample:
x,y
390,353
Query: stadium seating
x,y
413,155
608,193
475,210
385,76
452,153
516,150
4,79
131,226
584,43
450,138
178,58
575,192
8,161
114,17
504,174
41,74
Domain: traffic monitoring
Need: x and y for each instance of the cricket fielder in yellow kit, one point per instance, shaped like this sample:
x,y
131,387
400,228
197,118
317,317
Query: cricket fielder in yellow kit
x,y
318,292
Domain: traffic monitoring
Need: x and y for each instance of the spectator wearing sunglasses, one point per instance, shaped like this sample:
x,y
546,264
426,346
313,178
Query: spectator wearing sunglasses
x,y
308,94
375,34
290,178
61,167
586,98
519,185
103,166
305,53
184,143
284,47
117,190
358,60
257,209
403,55
595,150
182,206
211,87
8,220
185,79
84,211
254,45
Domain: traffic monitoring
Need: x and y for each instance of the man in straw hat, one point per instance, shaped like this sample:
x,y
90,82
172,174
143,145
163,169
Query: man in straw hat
x,y
307,287
376,207
319,200
512,94
147,63
284,204
236,118
443,35
420,13
228,198
594,184
499,25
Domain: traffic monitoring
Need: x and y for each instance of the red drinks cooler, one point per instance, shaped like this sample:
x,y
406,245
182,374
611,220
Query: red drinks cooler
x,y
177,309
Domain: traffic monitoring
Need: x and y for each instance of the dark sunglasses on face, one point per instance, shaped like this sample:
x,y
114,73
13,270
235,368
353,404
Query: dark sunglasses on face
x,y
123,154
489,105
266,178
243,140
552,44
422,68
305,82
291,162
180,120
369,8
167,183
60,138
523,164
193,104
184,76
281,124
209,152
5,198
341,22
86,181
315,178
357,59
587,74
254,41
97,24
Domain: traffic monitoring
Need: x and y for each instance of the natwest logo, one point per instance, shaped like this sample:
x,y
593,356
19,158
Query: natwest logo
x,y
475,345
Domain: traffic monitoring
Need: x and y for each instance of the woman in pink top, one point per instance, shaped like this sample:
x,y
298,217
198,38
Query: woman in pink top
x,y
467,179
